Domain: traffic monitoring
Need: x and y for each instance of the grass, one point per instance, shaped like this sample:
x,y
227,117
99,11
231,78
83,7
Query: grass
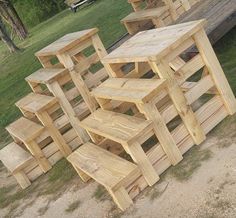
x,y
100,193
191,162
73,206
104,14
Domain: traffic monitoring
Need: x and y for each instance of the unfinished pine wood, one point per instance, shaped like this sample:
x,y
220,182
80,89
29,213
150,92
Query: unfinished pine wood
x,y
15,158
153,45
107,169
27,131
155,14
180,102
39,105
125,130
129,90
141,92
215,70
66,43
57,91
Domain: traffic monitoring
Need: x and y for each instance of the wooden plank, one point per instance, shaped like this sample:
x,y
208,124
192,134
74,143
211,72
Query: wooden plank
x,y
24,129
180,102
215,70
47,121
116,126
14,157
68,110
103,166
161,131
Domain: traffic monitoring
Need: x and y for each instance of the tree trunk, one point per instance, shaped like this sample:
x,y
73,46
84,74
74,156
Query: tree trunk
x,y
6,39
9,14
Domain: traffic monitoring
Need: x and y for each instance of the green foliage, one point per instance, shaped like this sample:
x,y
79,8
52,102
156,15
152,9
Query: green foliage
x,y
34,12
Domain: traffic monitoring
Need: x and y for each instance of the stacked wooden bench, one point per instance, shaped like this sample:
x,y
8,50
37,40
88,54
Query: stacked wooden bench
x,y
158,13
153,94
50,128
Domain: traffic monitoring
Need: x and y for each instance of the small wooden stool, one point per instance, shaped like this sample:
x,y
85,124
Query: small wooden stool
x,y
161,49
107,169
72,52
40,106
26,131
16,159
155,14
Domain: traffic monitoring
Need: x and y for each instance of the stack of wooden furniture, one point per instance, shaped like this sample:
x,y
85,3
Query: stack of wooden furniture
x,y
155,13
61,98
181,102
125,130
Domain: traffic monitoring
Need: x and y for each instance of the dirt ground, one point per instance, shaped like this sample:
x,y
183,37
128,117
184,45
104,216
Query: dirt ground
x,y
203,185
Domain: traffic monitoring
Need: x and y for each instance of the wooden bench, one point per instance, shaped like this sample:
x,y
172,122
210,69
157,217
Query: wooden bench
x,y
127,130
107,169
16,159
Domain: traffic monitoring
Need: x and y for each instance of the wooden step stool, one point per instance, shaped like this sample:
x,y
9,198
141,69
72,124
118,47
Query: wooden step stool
x,y
26,132
163,13
107,169
129,131
161,49
40,105
16,159
72,52
55,79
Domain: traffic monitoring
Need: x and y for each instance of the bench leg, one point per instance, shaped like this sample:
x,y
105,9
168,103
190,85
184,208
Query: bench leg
x,y
140,158
121,198
22,179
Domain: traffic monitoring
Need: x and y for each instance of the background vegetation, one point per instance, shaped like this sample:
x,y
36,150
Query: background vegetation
x,y
33,12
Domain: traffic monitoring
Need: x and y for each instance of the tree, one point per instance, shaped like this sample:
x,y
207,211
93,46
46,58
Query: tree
x,y
6,39
11,17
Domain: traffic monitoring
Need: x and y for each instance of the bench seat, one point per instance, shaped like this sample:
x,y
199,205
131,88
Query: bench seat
x,y
15,159
107,169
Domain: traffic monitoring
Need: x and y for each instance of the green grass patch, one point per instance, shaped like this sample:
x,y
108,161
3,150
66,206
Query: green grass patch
x,y
73,206
58,178
100,193
192,161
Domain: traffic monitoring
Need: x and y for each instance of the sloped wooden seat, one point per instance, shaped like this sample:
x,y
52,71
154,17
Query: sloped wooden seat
x,y
115,126
46,75
24,129
147,14
35,102
130,90
16,159
107,169
145,19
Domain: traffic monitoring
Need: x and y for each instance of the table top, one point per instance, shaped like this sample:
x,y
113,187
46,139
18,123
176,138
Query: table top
x,y
66,42
46,75
35,102
152,45
24,129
